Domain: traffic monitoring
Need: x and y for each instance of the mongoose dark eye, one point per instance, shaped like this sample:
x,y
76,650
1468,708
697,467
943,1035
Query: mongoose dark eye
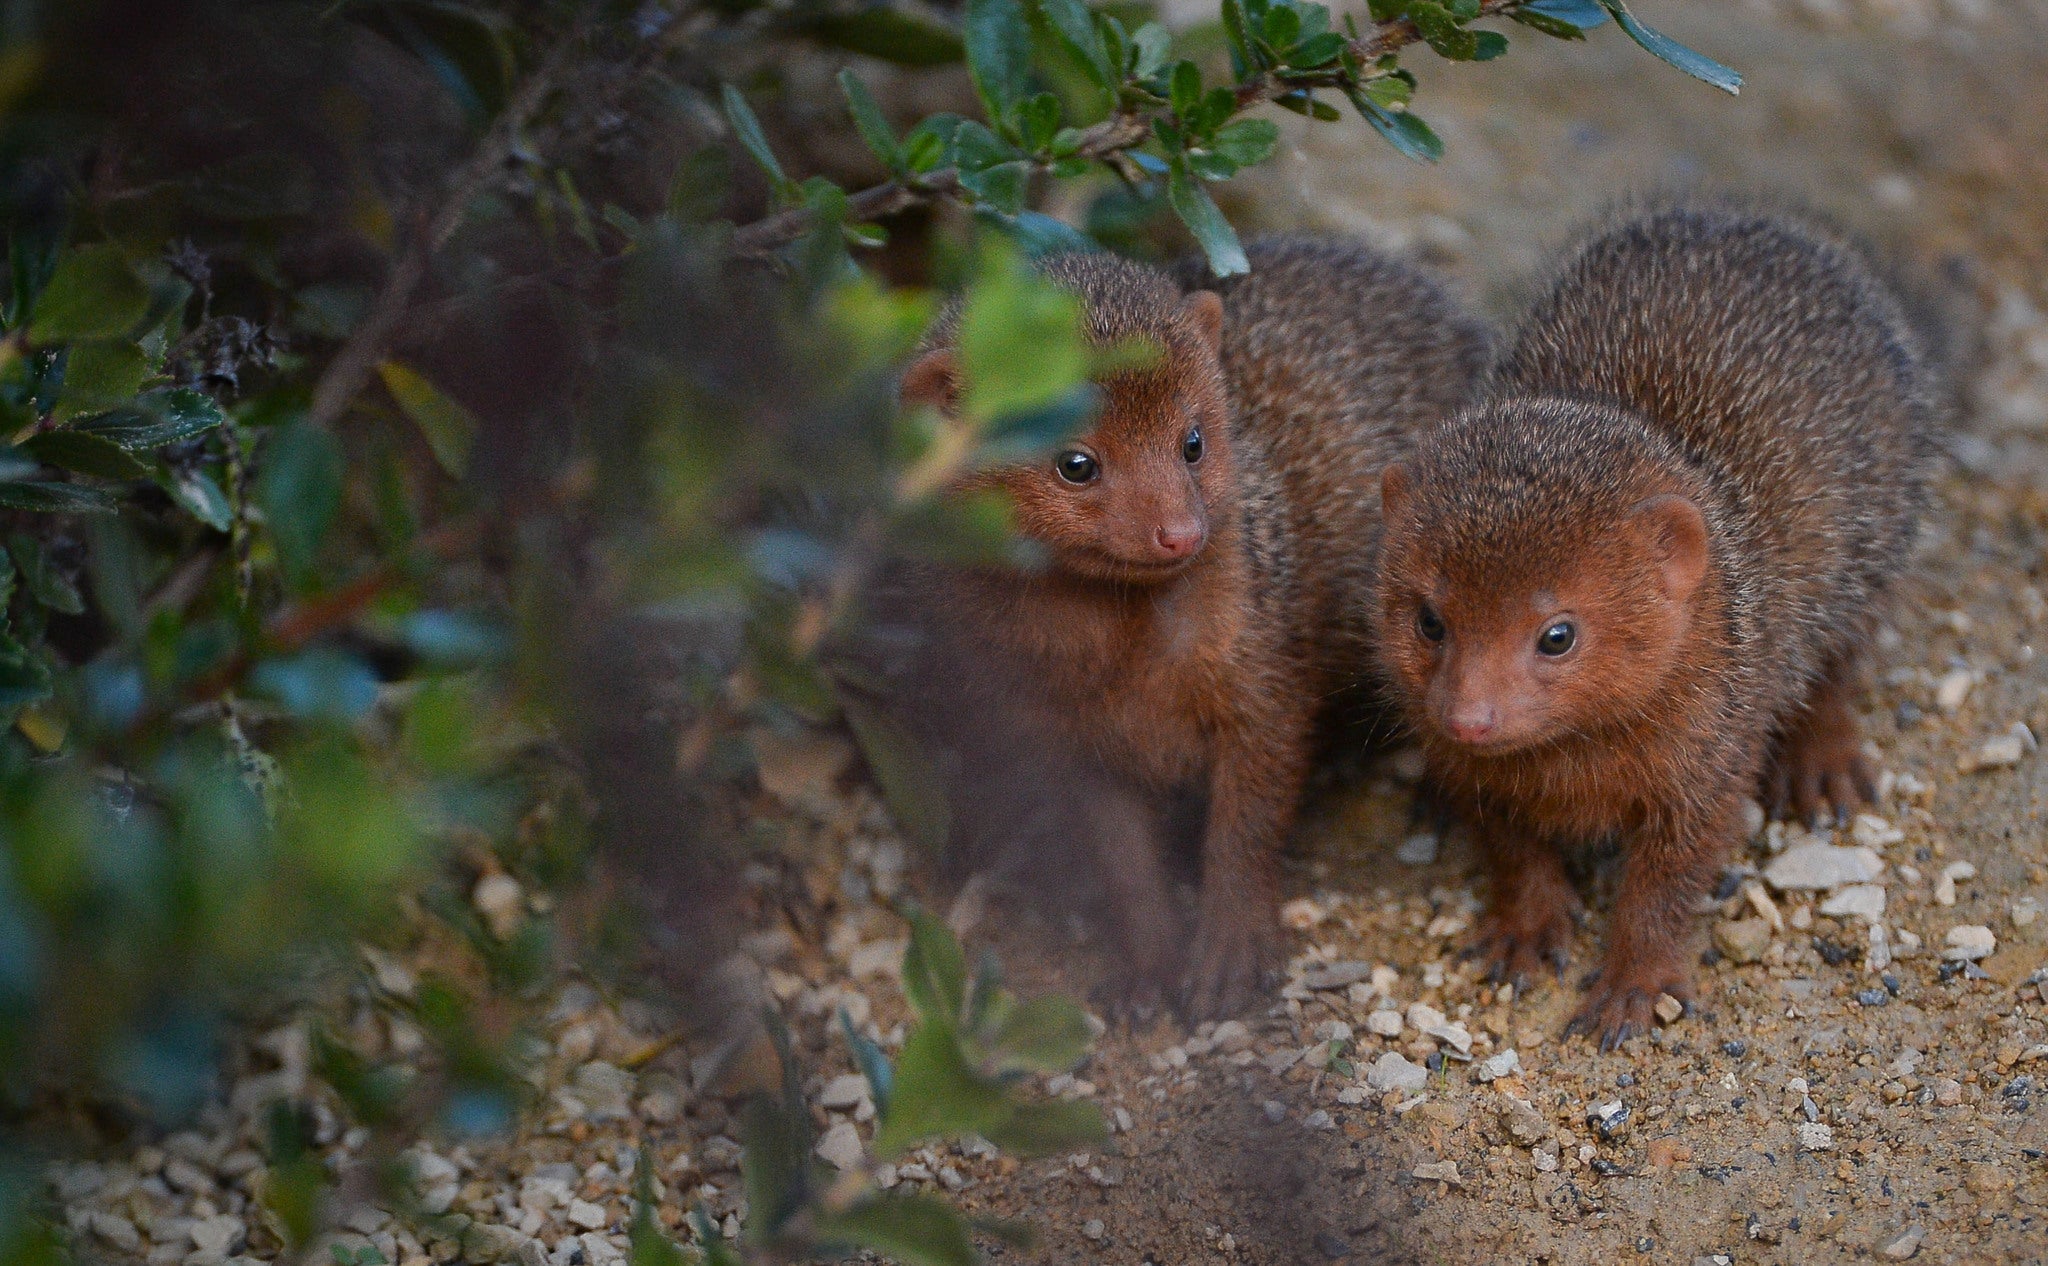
x,y
1429,624
1557,639
1191,448
1075,466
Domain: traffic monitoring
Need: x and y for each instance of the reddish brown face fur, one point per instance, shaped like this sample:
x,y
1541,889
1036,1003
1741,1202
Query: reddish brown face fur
x,y
1505,649
1133,498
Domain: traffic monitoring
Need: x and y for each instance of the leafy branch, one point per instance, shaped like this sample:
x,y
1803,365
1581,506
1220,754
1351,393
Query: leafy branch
x,y
1160,119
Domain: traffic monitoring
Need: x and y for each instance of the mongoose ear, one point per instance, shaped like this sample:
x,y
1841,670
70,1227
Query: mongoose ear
x,y
1204,312
1393,492
1675,528
930,380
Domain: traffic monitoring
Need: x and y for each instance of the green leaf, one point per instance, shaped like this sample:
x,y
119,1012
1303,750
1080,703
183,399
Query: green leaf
x,y
1306,105
1199,212
1038,121
747,127
775,1167
934,973
1022,345
1001,187
889,33
1488,45
873,1064
1150,46
160,417
1186,89
937,1095
55,498
24,677
915,1230
1563,19
1076,28
1282,27
998,37
867,116
299,490
93,294
1247,142
1442,31
449,428
911,787
1048,1035
1403,130
1671,52
1317,50
1211,166
1056,1125
196,492
101,376
85,453
45,583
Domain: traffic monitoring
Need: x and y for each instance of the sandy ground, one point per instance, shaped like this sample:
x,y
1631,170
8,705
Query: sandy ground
x,y
1823,1105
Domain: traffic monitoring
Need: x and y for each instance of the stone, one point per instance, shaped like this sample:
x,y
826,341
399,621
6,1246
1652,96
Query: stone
x,y
1860,901
502,904
1953,689
218,1234
2001,751
1948,1092
876,958
1230,1037
1386,1022
117,1231
1817,866
1424,1017
1611,1119
1903,1245
799,768
1335,975
1742,940
1969,942
1393,1072
1094,1229
1505,1064
844,1092
485,1243
1524,1124
605,1089
1454,1036
1668,1008
436,1180
588,1214
840,1147
1445,1172
2026,912
1417,850
1302,913
1814,1136
1872,831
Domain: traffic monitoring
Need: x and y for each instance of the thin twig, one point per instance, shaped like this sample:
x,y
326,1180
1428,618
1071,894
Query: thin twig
x,y
1121,131
351,367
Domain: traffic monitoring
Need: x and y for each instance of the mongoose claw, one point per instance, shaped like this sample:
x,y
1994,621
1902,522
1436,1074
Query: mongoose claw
x,y
1620,1006
1225,970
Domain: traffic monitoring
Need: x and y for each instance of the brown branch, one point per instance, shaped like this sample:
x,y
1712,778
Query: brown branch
x,y
1121,131
351,367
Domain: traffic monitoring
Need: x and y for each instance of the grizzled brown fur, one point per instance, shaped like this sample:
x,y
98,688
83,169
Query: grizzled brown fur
x,y
1705,459
1163,670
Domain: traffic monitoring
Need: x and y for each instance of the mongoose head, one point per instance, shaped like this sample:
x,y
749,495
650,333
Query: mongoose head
x,y
1539,573
1132,499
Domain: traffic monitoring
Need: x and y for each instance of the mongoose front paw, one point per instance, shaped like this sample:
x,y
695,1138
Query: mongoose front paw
x,y
1819,771
1519,943
1620,1005
1225,970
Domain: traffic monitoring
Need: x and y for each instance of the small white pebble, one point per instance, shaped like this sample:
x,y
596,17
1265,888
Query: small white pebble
x,y
1969,942
1953,689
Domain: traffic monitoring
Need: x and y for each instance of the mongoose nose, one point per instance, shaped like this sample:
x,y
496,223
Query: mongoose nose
x,y
1473,722
1179,540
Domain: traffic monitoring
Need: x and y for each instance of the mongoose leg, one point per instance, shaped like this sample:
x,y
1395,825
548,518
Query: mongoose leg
x,y
1818,769
1255,785
1128,847
1670,864
1532,910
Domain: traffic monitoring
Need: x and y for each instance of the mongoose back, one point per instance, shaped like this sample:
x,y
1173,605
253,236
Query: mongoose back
x,y
1202,589
1638,581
